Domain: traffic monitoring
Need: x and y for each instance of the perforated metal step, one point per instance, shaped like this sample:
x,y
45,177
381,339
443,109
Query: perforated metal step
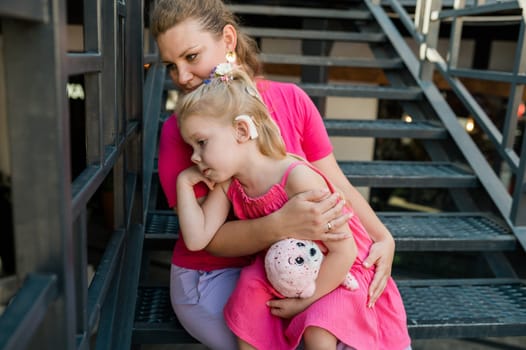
x,y
398,174
385,128
155,321
412,231
464,308
435,309
448,232
328,61
291,11
258,32
362,90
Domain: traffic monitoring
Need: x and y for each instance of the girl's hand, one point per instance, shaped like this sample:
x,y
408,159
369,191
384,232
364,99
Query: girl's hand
x,y
287,308
192,176
310,214
381,255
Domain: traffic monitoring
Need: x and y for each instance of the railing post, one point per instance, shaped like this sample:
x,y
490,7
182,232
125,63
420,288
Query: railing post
x,y
518,207
427,24
456,36
38,124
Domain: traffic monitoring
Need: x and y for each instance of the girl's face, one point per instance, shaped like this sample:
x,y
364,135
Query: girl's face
x,y
214,145
190,53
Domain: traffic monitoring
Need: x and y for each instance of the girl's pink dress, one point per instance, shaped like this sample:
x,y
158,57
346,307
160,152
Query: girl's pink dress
x,y
342,312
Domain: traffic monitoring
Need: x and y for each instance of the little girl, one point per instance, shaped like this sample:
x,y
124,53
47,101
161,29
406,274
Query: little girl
x,y
240,155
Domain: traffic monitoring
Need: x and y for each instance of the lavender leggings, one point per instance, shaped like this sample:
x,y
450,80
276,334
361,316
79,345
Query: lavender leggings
x,y
198,298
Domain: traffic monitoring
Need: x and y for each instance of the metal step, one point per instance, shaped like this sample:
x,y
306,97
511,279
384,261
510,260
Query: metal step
x,y
302,12
435,309
362,90
326,61
288,33
398,174
448,231
162,230
412,231
385,128
464,308
155,321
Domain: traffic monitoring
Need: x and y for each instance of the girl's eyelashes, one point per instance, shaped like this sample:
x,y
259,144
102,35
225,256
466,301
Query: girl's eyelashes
x,y
171,67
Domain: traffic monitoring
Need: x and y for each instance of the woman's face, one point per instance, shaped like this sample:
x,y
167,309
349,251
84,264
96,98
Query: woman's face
x,y
190,53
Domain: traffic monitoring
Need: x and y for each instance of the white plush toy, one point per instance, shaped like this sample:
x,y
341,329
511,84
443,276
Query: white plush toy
x,y
292,267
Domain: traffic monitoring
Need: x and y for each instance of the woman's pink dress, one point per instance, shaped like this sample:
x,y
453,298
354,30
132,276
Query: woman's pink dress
x,y
342,312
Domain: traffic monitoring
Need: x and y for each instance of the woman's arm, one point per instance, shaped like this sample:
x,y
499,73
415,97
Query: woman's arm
x,y
382,251
304,216
199,222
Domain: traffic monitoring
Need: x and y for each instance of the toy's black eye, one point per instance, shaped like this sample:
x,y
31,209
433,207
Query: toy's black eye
x,y
300,244
299,260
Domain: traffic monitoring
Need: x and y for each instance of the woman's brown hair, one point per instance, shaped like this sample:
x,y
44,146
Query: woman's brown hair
x,y
213,15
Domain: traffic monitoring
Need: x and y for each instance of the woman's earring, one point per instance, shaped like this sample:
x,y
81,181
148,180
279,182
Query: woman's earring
x,y
231,57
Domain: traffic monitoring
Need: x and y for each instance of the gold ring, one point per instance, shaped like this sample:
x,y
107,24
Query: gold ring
x,y
329,226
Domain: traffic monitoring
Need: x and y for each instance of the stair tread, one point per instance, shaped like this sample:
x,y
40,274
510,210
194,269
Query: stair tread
x,y
464,308
408,93
302,12
355,62
448,231
407,174
412,231
387,128
289,33
435,308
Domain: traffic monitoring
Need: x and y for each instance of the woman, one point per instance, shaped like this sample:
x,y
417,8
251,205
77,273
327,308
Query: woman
x,y
194,36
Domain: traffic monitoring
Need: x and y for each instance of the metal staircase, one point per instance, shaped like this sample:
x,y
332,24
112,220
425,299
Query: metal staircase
x,y
489,302
460,268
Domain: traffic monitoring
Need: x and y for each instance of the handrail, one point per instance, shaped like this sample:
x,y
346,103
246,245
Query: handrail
x,y
153,94
26,311
511,204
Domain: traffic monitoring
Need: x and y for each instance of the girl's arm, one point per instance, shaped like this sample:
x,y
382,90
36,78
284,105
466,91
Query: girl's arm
x,y
382,251
199,222
338,260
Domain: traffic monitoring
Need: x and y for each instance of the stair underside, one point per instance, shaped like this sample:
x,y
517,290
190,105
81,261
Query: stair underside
x,y
435,309
412,231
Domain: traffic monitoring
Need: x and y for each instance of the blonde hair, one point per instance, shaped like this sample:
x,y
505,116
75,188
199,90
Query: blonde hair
x,y
229,96
213,15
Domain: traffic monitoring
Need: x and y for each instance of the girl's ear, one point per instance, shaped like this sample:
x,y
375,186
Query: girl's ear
x,y
230,37
242,130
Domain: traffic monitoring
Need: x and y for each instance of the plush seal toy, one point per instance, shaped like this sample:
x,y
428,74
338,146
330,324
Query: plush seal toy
x,y
292,267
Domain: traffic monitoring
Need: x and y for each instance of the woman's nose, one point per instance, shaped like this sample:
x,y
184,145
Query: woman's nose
x,y
184,76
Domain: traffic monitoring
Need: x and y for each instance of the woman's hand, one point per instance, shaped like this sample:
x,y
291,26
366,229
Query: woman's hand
x,y
380,255
314,215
